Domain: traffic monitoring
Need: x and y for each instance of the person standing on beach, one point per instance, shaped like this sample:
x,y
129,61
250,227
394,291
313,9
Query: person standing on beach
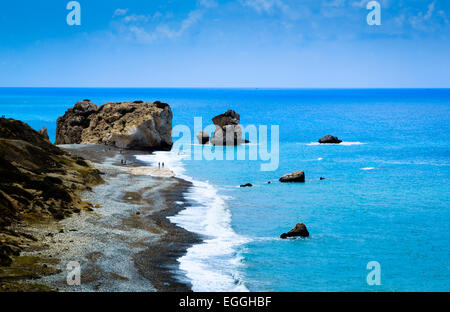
x,y
159,165
163,164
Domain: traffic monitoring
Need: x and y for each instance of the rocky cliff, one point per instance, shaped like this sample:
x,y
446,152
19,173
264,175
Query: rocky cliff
x,y
131,125
38,181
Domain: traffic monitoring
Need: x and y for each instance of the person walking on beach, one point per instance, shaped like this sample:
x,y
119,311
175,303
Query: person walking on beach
x,y
163,164
159,165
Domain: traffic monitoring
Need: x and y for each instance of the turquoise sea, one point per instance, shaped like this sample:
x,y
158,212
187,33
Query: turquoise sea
x,y
385,196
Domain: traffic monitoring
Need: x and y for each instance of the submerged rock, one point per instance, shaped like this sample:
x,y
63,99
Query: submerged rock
x,y
228,130
329,139
296,176
131,125
43,132
247,185
202,137
299,230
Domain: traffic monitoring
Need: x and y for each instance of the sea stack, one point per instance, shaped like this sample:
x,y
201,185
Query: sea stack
x,y
299,230
296,176
329,139
130,125
203,137
228,129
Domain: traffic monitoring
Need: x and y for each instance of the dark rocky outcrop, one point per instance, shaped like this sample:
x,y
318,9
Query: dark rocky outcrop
x,y
203,137
131,125
296,176
299,230
228,130
38,181
329,139
247,185
69,128
43,132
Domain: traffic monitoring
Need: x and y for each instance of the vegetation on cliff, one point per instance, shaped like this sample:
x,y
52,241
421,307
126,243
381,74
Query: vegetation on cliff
x,y
38,182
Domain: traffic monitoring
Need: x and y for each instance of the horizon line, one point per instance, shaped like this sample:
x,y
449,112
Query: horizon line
x,y
242,88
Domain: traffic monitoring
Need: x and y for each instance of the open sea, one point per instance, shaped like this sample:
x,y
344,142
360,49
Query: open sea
x,y
385,196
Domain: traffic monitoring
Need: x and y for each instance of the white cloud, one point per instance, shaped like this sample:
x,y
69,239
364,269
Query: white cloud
x,y
120,12
263,5
422,21
273,6
192,19
208,3
136,18
142,28
430,11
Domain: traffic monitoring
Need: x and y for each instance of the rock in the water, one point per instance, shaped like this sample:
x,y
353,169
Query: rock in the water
x,y
202,137
131,125
44,133
247,185
296,176
329,139
299,230
228,130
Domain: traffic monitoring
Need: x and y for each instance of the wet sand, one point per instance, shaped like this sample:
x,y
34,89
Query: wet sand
x,y
127,243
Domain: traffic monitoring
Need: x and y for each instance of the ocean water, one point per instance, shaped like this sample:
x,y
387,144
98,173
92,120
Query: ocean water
x,y
385,196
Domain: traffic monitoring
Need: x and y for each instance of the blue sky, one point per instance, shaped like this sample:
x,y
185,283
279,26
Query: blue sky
x,y
230,43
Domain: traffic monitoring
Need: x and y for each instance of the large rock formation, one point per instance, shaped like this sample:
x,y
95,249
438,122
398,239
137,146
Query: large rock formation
x,y
38,181
296,176
299,230
228,130
329,139
132,125
69,128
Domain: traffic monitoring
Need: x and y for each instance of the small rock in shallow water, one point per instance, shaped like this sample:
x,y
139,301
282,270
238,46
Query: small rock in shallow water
x,y
299,230
138,213
329,139
296,176
246,185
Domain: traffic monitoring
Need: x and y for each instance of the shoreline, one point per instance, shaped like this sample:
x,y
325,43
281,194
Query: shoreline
x,y
127,242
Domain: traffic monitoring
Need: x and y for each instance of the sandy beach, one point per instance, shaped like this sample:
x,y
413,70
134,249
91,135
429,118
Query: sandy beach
x,y
126,243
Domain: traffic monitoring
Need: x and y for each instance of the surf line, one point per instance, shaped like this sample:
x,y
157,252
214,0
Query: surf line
x,y
191,302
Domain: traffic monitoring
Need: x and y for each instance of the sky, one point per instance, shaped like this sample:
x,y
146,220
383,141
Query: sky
x,y
229,43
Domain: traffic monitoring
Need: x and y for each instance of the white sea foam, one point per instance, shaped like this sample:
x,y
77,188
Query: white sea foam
x,y
212,265
368,168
